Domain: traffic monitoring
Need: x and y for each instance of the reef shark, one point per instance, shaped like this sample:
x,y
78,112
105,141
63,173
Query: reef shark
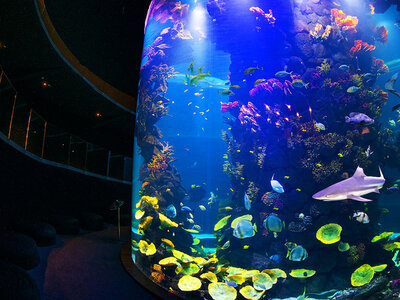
x,y
352,188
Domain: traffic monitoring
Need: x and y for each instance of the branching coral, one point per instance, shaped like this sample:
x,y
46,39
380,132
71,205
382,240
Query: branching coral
x,y
319,33
345,23
359,45
378,66
324,68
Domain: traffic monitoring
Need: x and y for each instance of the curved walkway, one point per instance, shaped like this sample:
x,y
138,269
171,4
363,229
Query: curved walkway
x,y
89,267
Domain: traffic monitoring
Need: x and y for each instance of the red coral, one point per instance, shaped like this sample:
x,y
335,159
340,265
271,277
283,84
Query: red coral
x,y
381,34
359,45
378,66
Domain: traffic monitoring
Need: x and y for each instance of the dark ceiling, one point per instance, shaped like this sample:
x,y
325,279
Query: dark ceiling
x,y
106,37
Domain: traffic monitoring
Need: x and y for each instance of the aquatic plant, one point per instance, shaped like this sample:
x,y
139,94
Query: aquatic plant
x,y
210,276
262,281
329,233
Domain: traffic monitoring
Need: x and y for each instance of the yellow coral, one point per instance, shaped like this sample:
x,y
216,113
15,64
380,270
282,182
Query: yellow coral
x,y
147,249
329,233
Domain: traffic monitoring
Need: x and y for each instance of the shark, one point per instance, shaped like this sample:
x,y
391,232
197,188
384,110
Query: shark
x,y
352,188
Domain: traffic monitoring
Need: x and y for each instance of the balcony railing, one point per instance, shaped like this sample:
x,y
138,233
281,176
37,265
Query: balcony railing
x,y
25,128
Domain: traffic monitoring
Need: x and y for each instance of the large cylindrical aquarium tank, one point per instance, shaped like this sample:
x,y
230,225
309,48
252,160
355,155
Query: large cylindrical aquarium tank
x,y
267,149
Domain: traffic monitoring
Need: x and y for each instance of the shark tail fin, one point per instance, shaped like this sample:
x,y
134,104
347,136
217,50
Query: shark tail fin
x,y
272,178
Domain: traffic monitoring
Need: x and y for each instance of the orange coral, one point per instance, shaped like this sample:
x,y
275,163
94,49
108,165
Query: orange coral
x,y
158,163
316,32
378,66
345,23
359,45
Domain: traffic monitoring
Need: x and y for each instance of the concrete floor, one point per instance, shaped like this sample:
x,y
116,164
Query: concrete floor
x,y
87,267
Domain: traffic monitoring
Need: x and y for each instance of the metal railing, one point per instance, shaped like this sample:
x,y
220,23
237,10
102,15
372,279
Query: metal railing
x,y
27,129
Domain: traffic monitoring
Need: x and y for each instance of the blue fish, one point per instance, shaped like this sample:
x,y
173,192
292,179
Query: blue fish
x,y
344,68
282,74
186,208
170,211
276,258
231,283
369,76
276,186
247,203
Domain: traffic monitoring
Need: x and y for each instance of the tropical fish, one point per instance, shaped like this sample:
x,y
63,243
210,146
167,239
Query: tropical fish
x,y
212,198
352,188
273,223
168,242
276,258
235,87
320,126
247,203
298,83
276,186
359,118
344,68
298,253
368,153
353,89
170,211
191,230
389,85
395,187
250,70
361,217
186,208
226,245
198,94
190,221
259,81
226,92
221,223
245,247
368,76
282,74
392,123
231,283
197,227
244,229
228,208
202,207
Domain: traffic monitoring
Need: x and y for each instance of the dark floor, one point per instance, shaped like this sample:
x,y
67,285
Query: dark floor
x,y
86,267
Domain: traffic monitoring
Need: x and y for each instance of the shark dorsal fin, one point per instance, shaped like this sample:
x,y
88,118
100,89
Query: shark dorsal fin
x,y
359,172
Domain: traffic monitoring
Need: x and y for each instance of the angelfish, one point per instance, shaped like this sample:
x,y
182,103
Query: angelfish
x,y
247,203
352,188
276,186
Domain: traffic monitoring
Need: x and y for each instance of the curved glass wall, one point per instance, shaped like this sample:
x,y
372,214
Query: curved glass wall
x,y
265,132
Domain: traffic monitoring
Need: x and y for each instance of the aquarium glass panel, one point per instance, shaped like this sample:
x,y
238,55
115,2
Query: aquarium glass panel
x,y
267,149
